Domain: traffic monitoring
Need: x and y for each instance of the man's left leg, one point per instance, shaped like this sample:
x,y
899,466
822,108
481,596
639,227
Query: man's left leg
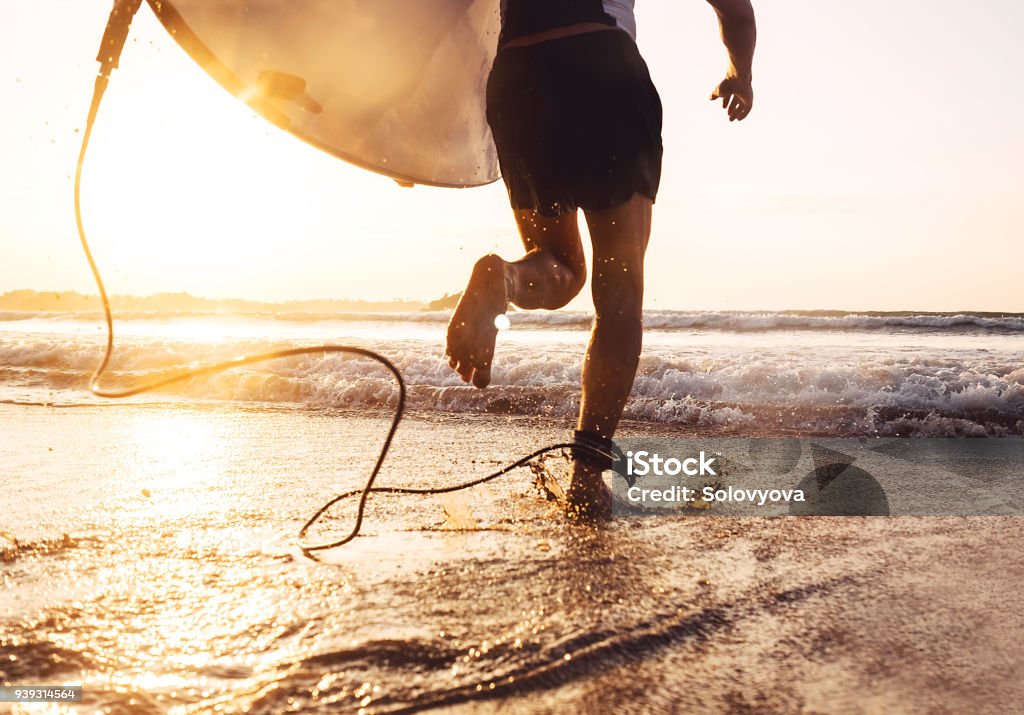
x,y
551,274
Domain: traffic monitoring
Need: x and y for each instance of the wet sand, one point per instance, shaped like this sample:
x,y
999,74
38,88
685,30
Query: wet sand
x,y
154,564
811,615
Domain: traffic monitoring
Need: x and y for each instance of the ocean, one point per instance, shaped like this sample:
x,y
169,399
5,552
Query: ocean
x,y
147,546
811,373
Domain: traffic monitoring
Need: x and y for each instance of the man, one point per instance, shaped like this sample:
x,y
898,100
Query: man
x,y
577,124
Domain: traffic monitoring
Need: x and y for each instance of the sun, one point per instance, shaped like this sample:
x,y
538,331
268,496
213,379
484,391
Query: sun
x,y
186,186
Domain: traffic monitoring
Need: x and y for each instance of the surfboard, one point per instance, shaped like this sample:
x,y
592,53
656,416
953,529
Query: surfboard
x,y
394,86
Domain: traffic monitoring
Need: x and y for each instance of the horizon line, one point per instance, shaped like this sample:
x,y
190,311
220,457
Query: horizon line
x,y
46,303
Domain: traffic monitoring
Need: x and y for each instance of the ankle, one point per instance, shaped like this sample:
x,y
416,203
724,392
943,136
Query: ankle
x,y
592,450
494,264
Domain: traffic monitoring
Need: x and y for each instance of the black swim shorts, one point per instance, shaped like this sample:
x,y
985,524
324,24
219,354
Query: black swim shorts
x,y
577,123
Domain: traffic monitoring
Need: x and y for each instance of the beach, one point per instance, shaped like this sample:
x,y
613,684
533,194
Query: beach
x,y
148,546
816,486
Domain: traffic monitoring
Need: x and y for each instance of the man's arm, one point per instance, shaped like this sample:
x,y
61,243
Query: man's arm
x,y
739,34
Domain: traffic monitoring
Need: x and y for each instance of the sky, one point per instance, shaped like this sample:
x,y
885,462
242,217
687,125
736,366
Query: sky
x,y
879,170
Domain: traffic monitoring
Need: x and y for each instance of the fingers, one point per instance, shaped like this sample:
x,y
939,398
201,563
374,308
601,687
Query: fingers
x,y
739,109
728,100
736,107
736,101
724,97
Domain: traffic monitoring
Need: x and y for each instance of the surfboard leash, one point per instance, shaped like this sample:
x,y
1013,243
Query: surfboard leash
x,y
113,42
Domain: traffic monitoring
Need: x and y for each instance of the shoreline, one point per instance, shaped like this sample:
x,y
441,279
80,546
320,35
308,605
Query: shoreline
x,y
546,423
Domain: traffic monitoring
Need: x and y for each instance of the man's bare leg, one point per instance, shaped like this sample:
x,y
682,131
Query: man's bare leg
x,y
619,236
551,274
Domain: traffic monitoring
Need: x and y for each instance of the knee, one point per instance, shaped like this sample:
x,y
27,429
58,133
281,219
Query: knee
x,y
618,289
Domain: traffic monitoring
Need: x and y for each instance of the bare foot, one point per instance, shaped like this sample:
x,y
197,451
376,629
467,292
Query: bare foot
x,y
588,500
471,331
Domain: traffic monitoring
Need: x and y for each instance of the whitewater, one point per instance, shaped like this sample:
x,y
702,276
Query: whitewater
x,y
813,373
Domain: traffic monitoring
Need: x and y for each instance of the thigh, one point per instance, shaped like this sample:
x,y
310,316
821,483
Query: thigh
x,y
559,235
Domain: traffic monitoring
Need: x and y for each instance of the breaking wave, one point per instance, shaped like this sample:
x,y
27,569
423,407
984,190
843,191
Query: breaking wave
x,y
831,391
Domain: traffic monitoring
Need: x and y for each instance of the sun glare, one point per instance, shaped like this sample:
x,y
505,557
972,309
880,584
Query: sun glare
x,y
184,180
177,454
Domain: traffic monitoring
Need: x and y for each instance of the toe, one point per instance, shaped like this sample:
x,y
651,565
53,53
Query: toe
x,y
465,371
482,376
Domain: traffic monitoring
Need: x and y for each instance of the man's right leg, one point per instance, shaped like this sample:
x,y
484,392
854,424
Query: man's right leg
x,y
551,274
619,236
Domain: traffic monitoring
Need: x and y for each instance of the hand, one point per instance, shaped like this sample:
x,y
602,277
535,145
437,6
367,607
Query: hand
x,y
737,97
